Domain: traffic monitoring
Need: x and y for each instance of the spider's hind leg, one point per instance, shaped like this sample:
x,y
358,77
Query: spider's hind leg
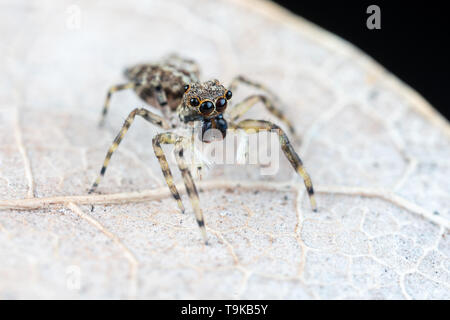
x,y
291,155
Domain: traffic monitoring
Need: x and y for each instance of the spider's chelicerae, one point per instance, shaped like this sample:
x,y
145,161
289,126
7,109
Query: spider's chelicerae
x,y
173,86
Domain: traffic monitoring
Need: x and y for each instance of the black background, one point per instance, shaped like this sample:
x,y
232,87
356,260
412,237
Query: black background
x,y
412,42
284,309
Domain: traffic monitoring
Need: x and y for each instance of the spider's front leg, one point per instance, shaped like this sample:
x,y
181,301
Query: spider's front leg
x,y
147,115
166,138
190,188
130,85
271,102
241,108
241,79
139,86
252,126
171,138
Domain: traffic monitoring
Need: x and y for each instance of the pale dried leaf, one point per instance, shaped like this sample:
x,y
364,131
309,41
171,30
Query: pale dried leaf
x,y
377,152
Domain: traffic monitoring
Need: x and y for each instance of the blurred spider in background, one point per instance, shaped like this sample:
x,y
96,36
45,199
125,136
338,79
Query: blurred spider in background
x,y
173,86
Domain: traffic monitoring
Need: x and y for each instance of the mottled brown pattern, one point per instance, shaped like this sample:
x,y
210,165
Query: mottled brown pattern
x,y
171,74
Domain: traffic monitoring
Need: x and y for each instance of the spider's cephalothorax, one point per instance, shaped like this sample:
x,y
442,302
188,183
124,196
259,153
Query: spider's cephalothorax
x,y
173,86
205,102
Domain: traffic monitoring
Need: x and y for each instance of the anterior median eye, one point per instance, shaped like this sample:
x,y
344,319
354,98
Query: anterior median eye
x,y
206,108
194,102
221,104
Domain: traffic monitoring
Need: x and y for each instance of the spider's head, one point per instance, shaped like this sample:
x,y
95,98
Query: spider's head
x,y
207,102
208,99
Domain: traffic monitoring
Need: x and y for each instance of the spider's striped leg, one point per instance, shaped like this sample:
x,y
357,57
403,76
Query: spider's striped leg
x,y
291,155
241,108
147,115
190,188
241,79
171,138
130,85
166,138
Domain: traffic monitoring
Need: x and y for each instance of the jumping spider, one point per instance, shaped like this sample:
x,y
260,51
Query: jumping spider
x,y
174,87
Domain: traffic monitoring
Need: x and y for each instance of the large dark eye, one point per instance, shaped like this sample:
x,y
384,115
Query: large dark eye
x,y
228,95
206,108
186,88
221,104
194,102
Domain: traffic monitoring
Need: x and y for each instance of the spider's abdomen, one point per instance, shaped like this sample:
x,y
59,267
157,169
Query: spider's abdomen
x,y
171,75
